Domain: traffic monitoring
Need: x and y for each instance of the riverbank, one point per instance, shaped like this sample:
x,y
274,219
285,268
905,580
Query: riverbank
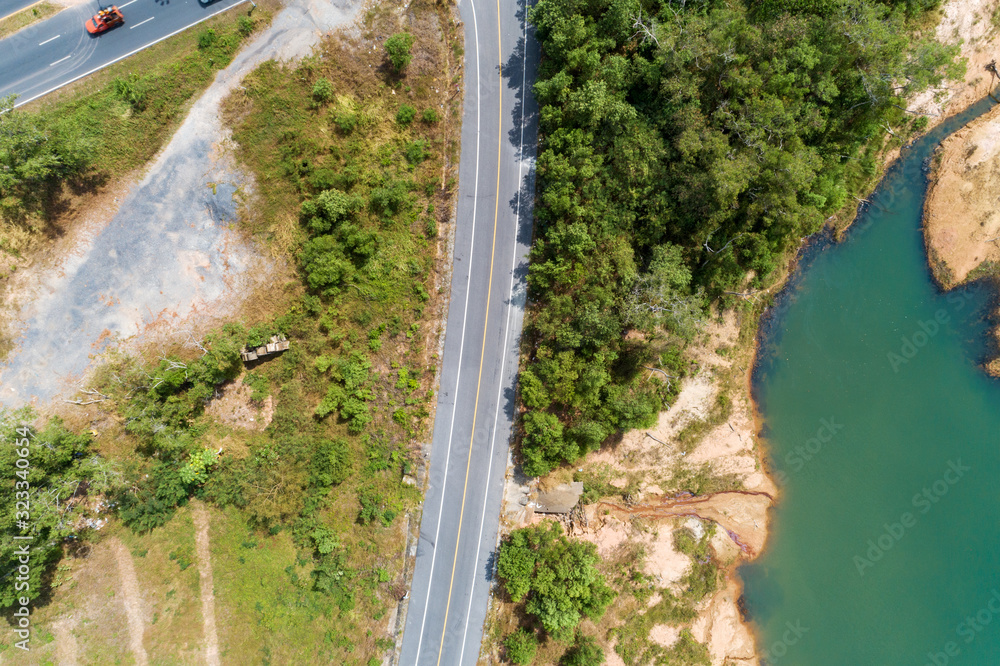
x,y
730,447
697,472
961,223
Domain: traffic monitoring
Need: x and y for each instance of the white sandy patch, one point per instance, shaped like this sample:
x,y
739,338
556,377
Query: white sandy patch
x,y
664,634
720,626
968,23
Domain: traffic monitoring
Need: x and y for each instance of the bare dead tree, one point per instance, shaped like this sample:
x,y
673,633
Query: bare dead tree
x,y
98,397
195,342
712,252
646,28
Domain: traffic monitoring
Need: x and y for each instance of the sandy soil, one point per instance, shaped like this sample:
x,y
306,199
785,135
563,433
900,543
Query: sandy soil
x,y
234,407
206,586
741,516
968,23
132,599
66,649
961,216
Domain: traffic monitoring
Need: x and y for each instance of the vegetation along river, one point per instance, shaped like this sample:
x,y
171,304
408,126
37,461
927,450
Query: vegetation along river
x,y
884,437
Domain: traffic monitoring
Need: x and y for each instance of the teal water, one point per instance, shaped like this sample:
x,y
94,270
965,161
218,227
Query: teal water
x,y
884,434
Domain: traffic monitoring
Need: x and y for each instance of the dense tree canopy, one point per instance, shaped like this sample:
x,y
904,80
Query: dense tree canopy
x,y
685,147
557,577
47,474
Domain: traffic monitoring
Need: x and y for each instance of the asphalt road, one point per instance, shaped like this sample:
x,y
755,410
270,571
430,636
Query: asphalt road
x,y
43,57
472,428
8,7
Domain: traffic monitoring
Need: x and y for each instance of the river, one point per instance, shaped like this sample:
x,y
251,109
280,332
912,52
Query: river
x,y
883,434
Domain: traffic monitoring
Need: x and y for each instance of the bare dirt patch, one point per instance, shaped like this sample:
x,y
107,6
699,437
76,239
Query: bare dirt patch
x,y
234,407
65,641
975,26
962,212
207,587
132,599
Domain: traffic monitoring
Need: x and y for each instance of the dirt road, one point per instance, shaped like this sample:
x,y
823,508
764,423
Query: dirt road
x,y
167,260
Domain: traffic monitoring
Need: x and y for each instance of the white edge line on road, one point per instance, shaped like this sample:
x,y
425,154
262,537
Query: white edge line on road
x,y
60,60
127,4
506,334
132,27
130,53
461,346
52,38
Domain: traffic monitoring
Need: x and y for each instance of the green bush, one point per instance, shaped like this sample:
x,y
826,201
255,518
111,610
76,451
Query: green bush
x,y
585,652
322,91
345,121
555,576
332,463
59,463
430,116
521,646
398,47
405,115
416,151
207,38
132,90
328,210
245,25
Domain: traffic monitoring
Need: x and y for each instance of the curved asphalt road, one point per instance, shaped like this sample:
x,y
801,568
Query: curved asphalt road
x,y
45,56
458,531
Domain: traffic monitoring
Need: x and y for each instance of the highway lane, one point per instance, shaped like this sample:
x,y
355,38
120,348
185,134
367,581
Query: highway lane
x,y
472,428
43,57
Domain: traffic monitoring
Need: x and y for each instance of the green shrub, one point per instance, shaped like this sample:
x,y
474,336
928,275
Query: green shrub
x,y
521,646
132,90
585,652
259,386
345,121
207,38
405,115
430,116
416,151
398,47
59,461
245,25
322,91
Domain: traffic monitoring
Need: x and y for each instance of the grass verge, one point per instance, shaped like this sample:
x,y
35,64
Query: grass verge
x,y
27,16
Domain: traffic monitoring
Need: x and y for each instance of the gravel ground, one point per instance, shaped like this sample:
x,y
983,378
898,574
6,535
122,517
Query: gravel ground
x,y
168,260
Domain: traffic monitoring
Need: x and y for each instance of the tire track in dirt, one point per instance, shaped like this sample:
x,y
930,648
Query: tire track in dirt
x,y
65,641
132,600
206,585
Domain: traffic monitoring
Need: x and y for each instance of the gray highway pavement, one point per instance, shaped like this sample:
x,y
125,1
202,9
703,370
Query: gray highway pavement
x,y
8,7
472,428
57,51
